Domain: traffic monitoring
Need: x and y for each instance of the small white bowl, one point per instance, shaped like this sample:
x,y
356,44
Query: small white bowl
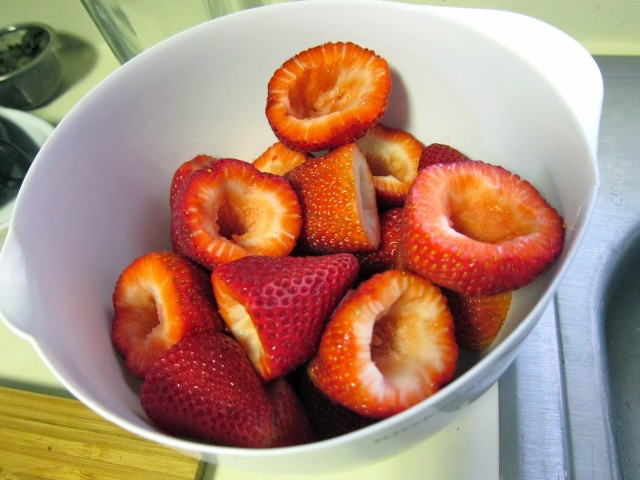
x,y
37,74
501,87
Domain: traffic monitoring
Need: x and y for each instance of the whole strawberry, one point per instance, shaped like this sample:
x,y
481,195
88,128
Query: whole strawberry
x,y
329,419
277,307
290,416
205,388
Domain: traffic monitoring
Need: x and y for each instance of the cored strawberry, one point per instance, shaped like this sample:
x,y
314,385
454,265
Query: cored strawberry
x,y
478,319
278,159
440,153
327,96
389,345
160,298
386,255
393,156
478,229
338,202
277,307
292,422
205,388
329,419
229,210
184,171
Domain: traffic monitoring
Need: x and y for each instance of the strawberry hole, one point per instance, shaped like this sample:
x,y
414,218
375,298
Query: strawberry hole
x,y
139,311
391,342
233,220
489,215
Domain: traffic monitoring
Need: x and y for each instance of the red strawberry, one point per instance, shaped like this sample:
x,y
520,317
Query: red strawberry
x,y
229,210
328,418
478,229
292,422
327,96
386,256
440,153
278,159
389,345
205,388
277,307
338,202
478,319
393,156
158,299
184,171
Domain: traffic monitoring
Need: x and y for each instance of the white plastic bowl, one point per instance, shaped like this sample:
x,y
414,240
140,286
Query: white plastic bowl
x,y
499,86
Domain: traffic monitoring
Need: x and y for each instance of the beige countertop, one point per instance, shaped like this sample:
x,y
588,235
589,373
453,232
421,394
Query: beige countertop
x,y
604,28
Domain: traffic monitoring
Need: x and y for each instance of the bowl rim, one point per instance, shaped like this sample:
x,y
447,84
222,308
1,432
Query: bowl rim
x,y
51,40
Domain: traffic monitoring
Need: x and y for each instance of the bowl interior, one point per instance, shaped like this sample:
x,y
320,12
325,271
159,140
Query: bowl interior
x,y
97,195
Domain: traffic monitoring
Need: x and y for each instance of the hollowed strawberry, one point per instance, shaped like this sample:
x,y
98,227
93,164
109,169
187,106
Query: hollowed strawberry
x,y
389,345
229,210
478,319
338,202
277,307
393,156
205,388
278,159
158,299
478,229
327,96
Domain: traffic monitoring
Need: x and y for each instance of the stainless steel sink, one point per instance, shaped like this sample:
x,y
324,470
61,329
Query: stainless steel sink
x,y
620,318
570,403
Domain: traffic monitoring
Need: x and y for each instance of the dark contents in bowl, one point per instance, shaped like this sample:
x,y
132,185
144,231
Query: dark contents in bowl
x,y
16,54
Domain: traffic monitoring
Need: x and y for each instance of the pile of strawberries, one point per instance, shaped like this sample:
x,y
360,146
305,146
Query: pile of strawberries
x,y
332,281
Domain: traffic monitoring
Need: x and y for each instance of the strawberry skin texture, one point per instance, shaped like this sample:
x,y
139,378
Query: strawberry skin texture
x,y
393,156
229,210
440,153
278,159
158,299
277,307
478,229
327,96
184,171
290,416
337,197
478,319
205,388
329,419
386,256
389,345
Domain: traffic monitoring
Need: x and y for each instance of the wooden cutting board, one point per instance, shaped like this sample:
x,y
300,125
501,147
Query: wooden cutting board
x,y
47,437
